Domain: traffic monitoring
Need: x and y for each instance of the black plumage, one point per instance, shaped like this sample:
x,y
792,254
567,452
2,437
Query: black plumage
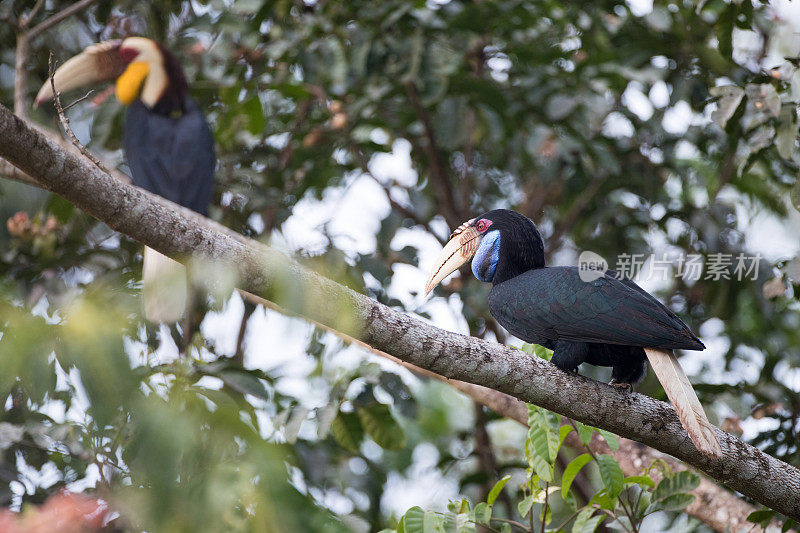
x,y
169,146
171,153
604,322
583,316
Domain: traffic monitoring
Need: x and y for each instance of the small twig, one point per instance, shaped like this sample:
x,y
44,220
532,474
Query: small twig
x,y
52,20
544,510
573,213
397,206
65,121
523,527
249,308
25,20
81,99
302,113
444,189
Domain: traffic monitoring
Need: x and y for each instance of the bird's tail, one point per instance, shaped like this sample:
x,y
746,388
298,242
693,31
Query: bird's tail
x,y
163,287
684,400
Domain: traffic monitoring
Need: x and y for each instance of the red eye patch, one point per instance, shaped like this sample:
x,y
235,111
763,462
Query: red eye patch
x,y
483,224
128,54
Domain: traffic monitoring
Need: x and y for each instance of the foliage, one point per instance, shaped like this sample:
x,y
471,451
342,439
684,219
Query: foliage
x,y
411,117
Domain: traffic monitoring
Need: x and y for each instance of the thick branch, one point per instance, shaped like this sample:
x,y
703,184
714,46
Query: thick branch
x,y
167,228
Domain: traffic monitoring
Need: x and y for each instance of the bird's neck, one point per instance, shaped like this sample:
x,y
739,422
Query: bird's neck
x,y
165,90
519,253
155,86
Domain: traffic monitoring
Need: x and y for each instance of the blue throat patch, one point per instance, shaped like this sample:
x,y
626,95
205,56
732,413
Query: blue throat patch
x,y
486,257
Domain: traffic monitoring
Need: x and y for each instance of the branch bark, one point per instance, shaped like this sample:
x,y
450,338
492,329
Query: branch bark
x,y
181,234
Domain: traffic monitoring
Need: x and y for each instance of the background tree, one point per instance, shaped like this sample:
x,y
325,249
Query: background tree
x,y
569,113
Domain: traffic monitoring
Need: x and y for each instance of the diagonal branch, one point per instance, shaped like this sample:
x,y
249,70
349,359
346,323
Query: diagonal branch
x,y
56,18
270,274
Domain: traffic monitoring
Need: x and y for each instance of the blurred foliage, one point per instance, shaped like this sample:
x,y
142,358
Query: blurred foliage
x,y
615,130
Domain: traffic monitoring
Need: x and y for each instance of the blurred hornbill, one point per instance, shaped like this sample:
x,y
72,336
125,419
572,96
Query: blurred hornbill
x,y
168,144
604,321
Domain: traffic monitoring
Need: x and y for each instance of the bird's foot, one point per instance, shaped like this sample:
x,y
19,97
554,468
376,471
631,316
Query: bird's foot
x,y
627,387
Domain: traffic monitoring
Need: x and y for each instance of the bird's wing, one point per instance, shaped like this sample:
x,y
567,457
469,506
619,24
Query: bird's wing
x,y
171,156
553,303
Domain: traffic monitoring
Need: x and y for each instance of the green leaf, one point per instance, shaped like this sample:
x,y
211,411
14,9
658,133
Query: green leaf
x,y
645,498
60,208
457,522
563,431
243,382
433,523
413,521
675,502
379,423
256,121
585,522
483,513
602,499
789,524
347,431
585,433
676,483
571,471
528,348
639,480
539,452
762,517
525,505
610,439
495,492
542,352
611,474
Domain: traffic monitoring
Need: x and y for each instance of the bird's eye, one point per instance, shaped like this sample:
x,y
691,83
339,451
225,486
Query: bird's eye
x,y
482,225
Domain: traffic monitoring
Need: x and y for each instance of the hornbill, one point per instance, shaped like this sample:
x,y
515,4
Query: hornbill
x,y
605,321
168,144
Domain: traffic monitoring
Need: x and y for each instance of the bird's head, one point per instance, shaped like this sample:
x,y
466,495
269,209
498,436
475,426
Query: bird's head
x,y
142,69
501,243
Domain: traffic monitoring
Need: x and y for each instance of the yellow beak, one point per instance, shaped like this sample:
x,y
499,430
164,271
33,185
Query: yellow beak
x,y
459,249
98,63
129,85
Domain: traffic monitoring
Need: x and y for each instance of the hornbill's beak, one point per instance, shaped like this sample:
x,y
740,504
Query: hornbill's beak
x,y
459,249
98,63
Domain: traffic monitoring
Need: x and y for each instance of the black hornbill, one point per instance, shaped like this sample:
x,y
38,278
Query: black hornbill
x,y
168,144
605,321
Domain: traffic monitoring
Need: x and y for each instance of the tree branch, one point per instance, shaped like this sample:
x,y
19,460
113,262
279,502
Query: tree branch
x,y
54,19
180,234
22,53
441,178
9,171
